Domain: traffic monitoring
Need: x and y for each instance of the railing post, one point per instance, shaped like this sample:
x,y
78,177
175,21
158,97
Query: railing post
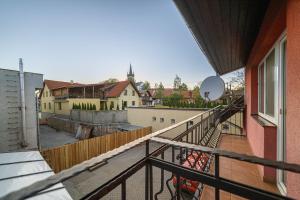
x,y
217,175
124,190
147,173
178,187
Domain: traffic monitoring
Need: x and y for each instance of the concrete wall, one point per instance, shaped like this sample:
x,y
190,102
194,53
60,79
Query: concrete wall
x,y
10,117
141,116
97,117
63,124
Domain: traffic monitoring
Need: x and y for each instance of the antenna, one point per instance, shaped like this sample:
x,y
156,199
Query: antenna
x,y
212,88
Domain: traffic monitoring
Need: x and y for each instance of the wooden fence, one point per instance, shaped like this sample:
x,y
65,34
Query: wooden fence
x,y
64,157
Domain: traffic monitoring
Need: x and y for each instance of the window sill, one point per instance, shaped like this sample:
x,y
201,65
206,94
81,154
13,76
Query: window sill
x,y
262,121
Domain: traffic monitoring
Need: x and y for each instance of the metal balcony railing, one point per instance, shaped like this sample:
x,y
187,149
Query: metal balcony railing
x,y
183,160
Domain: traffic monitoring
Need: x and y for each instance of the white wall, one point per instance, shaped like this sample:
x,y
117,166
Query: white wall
x,y
144,116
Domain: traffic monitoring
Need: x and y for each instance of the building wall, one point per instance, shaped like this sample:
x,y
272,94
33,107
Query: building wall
x,y
47,98
144,116
281,16
67,105
293,94
122,98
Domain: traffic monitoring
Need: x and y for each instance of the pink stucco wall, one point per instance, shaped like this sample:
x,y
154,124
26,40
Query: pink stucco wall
x,y
263,140
280,16
293,94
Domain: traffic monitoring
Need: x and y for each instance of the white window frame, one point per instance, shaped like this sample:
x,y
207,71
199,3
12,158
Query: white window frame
x,y
281,186
272,119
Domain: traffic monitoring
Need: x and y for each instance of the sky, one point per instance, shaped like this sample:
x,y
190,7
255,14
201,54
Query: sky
x,y
90,41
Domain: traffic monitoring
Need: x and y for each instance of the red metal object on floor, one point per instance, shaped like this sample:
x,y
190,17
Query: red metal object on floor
x,y
196,161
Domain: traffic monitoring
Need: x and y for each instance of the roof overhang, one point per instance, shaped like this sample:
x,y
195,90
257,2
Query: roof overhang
x,y
225,30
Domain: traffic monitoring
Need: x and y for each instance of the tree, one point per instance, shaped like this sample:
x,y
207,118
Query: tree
x,y
196,92
79,106
160,91
123,105
238,79
105,108
73,107
146,86
88,106
111,80
177,82
183,87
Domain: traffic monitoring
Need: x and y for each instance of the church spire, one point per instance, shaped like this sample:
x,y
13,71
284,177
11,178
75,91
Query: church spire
x,y
130,75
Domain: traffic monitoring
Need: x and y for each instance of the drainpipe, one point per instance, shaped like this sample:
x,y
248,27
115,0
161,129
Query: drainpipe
x,y
23,137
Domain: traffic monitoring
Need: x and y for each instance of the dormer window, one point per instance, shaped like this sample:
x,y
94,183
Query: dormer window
x,y
133,93
125,92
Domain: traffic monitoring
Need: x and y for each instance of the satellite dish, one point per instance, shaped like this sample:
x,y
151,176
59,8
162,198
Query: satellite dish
x,y
212,88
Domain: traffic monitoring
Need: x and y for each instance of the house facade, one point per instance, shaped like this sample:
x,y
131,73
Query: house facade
x,y
264,38
59,97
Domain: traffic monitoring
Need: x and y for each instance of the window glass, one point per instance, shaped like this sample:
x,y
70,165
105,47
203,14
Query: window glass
x,y
45,106
59,106
172,121
125,92
49,106
270,84
133,103
133,93
261,88
162,120
153,119
47,94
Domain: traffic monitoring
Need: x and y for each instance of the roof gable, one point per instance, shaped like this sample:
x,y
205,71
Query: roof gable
x,y
119,87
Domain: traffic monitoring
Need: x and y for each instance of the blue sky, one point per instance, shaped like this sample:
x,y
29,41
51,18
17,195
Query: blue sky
x,y
93,40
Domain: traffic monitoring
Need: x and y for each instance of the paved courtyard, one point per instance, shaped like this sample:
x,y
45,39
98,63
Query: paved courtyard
x,y
49,137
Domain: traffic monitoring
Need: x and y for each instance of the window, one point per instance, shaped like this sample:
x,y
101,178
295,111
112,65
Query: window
x,y
162,120
172,121
125,92
133,93
125,104
45,106
270,84
133,103
59,105
47,94
49,106
267,83
261,91
154,119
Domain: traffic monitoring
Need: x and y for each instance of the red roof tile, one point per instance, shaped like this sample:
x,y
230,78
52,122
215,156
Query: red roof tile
x,y
59,84
169,91
117,89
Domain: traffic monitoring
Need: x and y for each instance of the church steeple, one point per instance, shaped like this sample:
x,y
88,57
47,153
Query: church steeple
x,y
130,75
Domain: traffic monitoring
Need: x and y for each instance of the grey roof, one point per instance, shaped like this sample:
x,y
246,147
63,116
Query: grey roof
x,y
21,169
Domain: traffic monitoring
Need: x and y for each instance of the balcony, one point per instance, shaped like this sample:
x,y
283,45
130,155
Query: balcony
x,y
189,160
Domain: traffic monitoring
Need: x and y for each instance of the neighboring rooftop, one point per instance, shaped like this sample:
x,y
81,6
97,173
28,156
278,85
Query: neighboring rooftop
x,y
21,169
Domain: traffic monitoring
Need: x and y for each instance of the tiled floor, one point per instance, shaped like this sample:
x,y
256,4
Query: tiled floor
x,y
238,171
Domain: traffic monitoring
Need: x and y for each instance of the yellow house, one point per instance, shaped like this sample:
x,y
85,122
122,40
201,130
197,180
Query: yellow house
x,y
59,97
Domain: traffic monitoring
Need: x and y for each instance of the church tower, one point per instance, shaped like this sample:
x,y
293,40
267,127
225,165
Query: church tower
x,y
130,75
